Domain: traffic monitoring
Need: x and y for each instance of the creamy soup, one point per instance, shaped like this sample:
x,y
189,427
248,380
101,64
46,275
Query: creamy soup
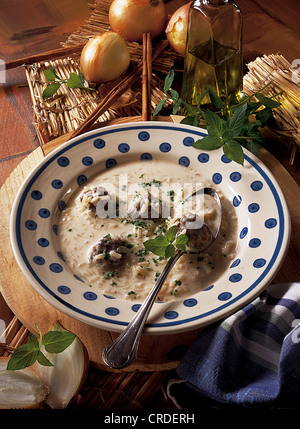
x,y
110,218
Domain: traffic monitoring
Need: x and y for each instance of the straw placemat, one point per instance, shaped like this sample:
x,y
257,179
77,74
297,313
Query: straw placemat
x,y
65,111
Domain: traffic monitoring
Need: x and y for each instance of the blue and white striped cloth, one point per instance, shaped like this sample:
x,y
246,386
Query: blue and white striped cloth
x,y
251,359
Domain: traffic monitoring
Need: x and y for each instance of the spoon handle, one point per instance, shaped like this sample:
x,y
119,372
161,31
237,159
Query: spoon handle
x,y
123,351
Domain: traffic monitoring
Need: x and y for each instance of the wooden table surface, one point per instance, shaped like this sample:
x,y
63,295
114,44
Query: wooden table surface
x,y
270,26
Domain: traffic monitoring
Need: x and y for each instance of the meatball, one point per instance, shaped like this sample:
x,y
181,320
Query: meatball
x,y
91,197
148,207
109,253
200,236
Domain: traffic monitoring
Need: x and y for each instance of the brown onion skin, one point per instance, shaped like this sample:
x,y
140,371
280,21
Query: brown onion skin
x,y
132,18
96,54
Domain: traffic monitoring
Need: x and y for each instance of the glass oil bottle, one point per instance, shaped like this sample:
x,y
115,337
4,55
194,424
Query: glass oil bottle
x,y
213,52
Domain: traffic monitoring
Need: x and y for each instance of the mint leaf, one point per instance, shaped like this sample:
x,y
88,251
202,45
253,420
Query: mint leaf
x,y
208,143
181,241
50,90
169,251
159,106
24,356
214,124
157,245
50,75
236,123
234,151
267,102
42,360
171,233
57,341
74,81
191,120
168,81
214,98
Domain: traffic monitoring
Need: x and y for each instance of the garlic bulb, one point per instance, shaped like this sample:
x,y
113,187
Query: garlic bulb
x,y
67,376
20,389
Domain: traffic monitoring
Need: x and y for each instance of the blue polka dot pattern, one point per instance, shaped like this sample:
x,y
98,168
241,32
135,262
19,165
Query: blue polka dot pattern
x,y
56,268
123,147
260,262
254,242
217,178
44,213
208,288
57,184
144,136
136,307
191,302
81,179
235,176
224,296
99,143
171,315
165,147
90,296
270,223
257,185
235,263
36,195
63,161
43,242
203,157
184,160
31,225
78,278
65,290
112,311
225,159
234,278
111,162
146,156
61,205
39,260
87,160
244,232
237,200
253,207
188,141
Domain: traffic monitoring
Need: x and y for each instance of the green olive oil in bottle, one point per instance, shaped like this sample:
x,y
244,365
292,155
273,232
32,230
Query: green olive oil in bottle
x,y
213,52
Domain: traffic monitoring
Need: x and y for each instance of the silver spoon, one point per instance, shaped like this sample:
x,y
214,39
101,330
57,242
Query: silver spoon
x,y
123,351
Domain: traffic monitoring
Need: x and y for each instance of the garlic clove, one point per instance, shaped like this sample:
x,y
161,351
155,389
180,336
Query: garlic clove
x,y
68,374
21,388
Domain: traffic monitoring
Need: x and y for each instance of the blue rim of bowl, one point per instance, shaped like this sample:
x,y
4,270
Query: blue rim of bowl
x,y
23,192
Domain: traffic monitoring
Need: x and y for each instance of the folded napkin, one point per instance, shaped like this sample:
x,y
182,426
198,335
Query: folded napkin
x,y
251,359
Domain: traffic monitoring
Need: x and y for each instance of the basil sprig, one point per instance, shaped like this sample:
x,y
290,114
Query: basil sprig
x,y
227,127
27,354
74,81
166,245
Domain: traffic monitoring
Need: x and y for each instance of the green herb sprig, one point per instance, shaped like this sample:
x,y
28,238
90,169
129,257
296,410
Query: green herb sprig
x,y
227,127
166,245
27,354
74,81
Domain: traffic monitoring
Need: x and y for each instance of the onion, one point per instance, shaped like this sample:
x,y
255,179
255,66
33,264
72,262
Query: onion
x,y
22,388
132,18
176,30
104,58
68,374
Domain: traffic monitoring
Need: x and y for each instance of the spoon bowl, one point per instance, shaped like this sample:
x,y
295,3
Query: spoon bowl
x,y
123,351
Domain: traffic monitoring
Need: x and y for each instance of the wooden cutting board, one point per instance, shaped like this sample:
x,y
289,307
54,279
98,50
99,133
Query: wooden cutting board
x,y
156,352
